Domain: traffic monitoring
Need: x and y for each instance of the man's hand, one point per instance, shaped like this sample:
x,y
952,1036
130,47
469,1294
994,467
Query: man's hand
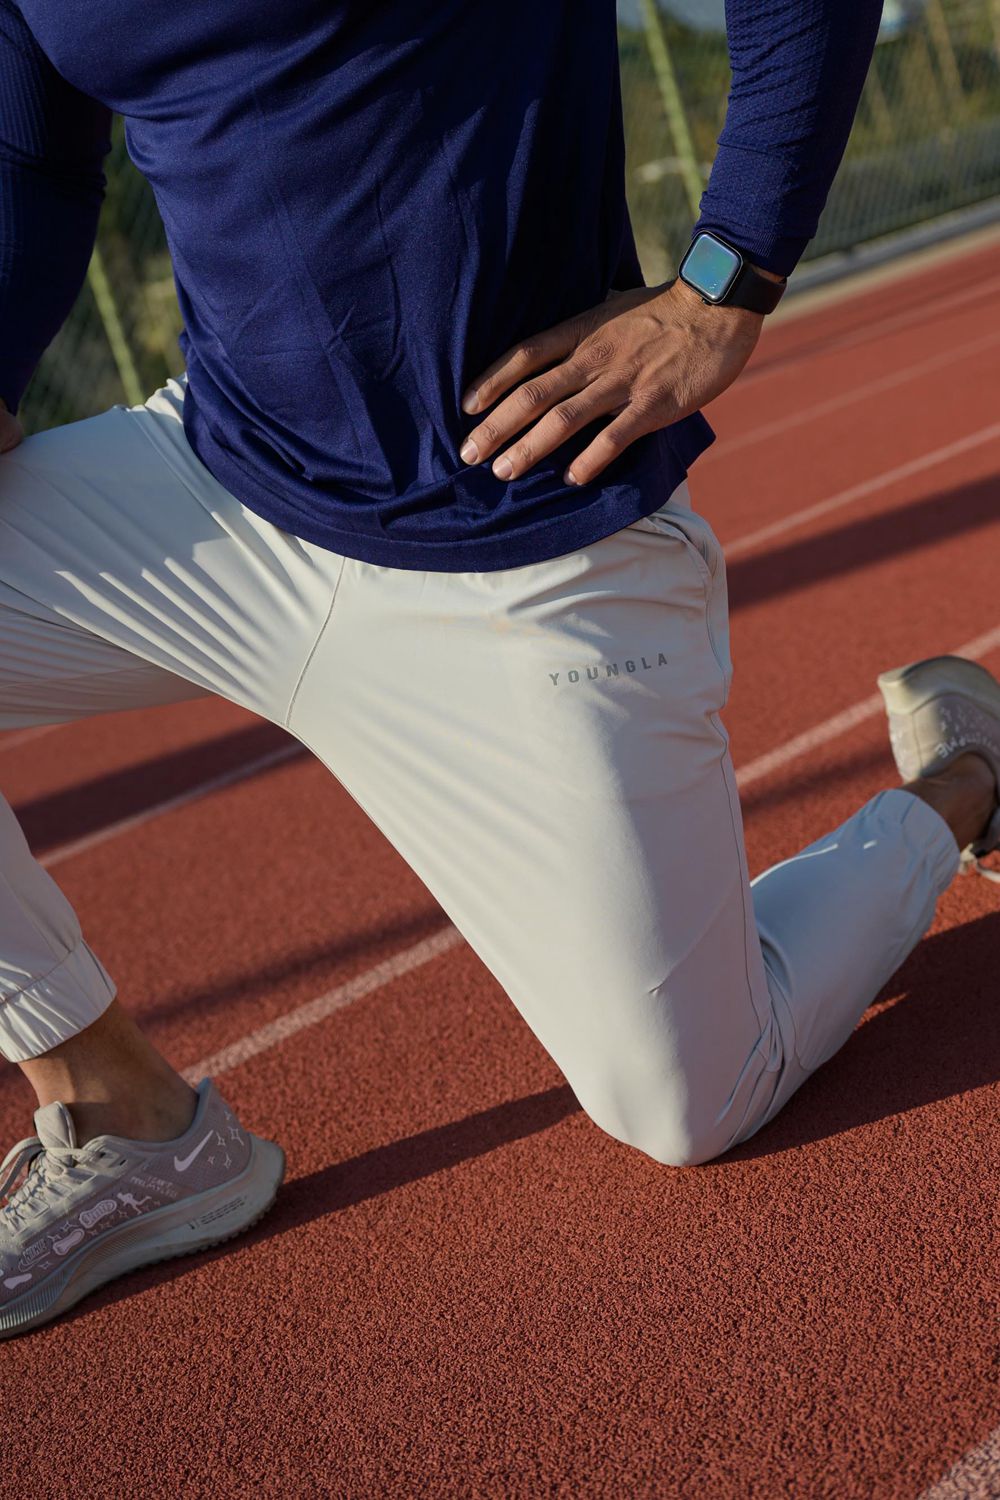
x,y
644,358
11,432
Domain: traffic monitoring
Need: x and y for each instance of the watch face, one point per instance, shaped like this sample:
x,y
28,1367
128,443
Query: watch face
x,y
710,267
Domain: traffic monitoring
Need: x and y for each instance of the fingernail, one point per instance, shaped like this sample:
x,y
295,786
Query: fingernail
x,y
470,453
503,468
471,403
571,477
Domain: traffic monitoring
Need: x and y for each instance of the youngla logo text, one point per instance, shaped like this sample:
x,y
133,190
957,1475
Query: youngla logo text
x,y
607,669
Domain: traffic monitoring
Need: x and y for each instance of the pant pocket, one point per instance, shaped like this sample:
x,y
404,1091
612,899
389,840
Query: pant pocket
x,y
677,520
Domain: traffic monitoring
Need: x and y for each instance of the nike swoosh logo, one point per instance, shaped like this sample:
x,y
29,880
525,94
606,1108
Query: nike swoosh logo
x,y
182,1166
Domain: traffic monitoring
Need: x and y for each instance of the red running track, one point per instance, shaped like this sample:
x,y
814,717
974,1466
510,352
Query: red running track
x,y
466,1289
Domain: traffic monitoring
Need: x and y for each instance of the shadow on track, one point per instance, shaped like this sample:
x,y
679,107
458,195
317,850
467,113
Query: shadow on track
x,y
809,777
345,1184
939,1038
863,543
75,811
323,962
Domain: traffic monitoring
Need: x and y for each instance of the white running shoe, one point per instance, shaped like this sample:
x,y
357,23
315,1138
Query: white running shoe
x,y
73,1217
940,709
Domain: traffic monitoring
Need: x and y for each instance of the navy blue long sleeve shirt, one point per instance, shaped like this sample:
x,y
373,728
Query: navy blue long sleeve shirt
x,y
365,204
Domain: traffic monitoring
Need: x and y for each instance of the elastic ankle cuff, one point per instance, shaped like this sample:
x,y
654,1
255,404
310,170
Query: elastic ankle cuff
x,y
924,829
64,1001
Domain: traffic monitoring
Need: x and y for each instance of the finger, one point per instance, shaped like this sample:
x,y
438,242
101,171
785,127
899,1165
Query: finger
x,y
529,402
554,429
609,444
518,363
11,433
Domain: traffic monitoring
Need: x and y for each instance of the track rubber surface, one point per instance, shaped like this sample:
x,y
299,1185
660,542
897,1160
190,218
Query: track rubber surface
x,y
464,1288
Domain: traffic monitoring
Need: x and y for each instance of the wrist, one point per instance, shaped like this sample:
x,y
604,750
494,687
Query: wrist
x,y
720,313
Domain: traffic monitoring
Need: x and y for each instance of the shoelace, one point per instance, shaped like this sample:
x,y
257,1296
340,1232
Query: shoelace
x,y
970,862
970,865
44,1168
14,1163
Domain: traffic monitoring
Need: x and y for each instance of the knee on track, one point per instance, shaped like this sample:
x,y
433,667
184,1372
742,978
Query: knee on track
x,y
667,1135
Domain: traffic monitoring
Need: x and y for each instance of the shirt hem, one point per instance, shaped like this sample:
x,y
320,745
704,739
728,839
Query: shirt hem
x,y
539,542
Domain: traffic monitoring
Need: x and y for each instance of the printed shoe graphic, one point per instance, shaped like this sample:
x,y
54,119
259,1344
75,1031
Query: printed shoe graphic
x,y
939,709
74,1217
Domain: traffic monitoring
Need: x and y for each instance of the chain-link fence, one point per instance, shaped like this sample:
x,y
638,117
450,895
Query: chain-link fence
x,y
926,141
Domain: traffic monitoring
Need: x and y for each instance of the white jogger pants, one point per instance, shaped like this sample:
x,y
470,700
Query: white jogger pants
x,y
542,744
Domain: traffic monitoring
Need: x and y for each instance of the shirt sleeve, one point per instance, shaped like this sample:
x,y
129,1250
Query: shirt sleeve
x,y
798,70
52,144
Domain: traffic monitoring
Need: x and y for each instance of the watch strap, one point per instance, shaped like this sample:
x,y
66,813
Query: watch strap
x,y
754,292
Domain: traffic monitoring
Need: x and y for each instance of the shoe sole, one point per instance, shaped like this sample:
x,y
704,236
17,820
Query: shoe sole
x,y
167,1233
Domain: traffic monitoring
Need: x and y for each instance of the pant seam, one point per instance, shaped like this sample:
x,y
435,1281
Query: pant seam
x,y
707,577
321,632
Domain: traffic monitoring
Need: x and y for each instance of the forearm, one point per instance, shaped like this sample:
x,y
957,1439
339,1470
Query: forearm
x,y
52,143
798,70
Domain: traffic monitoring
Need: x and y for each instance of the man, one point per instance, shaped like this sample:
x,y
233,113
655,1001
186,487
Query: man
x,y
399,235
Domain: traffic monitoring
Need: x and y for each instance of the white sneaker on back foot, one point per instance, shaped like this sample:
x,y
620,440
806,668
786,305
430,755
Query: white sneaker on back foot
x,y
940,709
73,1217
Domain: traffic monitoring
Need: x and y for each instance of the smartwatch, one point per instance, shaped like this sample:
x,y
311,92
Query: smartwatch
x,y
722,275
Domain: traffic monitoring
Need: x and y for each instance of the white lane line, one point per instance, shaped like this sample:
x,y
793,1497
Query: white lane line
x,y
820,734
924,313
171,804
762,433
313,1011
21,738
974,1477
884,481
875,328
847,719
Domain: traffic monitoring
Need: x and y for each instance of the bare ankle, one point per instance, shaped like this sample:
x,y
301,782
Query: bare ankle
x,y
114,1082
149,1120
964,794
